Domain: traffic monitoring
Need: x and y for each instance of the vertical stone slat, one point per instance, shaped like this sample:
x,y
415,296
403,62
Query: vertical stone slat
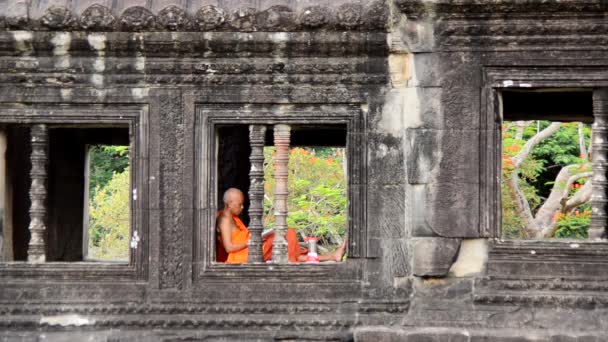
x,y
38,192
256,192
599,158
281,170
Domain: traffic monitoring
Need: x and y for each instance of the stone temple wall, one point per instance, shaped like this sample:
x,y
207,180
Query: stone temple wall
x,y
417,84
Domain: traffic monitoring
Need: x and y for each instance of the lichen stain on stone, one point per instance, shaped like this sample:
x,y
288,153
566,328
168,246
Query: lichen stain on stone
x,y
66,320
66,93
97,41
23,41
140,63
399,69
391,121
139,93
61,42
472,258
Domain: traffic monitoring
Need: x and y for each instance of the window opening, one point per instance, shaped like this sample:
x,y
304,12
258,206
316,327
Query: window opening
x,y
311,163
45,180
547,168
107,215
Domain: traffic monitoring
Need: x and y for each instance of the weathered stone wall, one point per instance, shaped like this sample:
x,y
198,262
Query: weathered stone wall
x,y
416,81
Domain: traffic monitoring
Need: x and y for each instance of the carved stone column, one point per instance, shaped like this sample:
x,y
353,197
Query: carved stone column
x,y
37,246
281,170
599,157
256,192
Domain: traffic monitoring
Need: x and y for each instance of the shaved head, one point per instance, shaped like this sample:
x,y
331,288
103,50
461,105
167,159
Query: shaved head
x,y
232,194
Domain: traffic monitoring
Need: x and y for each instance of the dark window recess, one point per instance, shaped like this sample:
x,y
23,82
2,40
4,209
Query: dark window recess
x,y
65,202
554,105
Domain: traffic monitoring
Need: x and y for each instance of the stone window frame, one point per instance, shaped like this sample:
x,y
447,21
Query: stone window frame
x,y
514,258
136,117
210,115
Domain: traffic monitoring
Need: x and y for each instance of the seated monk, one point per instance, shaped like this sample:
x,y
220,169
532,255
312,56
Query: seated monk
x,y
234,236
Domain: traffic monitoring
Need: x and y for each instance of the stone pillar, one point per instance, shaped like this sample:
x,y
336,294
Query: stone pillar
x,y
256,192
599,158
37,247
281,170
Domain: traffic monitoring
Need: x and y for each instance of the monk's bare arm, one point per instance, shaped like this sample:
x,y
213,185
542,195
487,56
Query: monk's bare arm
x,y
227,225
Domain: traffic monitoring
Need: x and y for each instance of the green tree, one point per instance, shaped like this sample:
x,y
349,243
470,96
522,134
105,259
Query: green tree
x,y
545,178
104,161
109,223
317,202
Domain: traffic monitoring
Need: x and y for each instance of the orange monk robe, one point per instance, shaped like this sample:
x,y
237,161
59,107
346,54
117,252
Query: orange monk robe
x,y
241,235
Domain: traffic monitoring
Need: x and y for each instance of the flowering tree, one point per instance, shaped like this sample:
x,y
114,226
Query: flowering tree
x,y
317,202
539,217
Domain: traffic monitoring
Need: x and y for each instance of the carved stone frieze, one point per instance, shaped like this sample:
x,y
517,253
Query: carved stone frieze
x,y
210,17
349,16
57,18
314,17
97,18
244,19
137,18
174,18
171,179
276,18
417,8
376,15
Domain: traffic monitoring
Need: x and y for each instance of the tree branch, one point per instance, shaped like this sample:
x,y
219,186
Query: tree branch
x,y
535,140
543,225
521,203
582,196
581,141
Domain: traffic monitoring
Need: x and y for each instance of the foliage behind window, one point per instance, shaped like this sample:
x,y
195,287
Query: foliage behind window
x,y
317,202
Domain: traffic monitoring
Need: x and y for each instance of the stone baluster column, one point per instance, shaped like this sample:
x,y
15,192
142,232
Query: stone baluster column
x,y
281,170
256,192
599,157
38,190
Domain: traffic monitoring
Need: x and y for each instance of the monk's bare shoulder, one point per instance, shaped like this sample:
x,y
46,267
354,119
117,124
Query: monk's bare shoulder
x,y
226,221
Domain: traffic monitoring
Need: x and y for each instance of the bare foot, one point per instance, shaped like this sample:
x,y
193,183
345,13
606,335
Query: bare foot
x,y
338,253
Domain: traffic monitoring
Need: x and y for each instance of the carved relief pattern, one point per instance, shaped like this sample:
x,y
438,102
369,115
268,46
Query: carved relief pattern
x,y
349,15
57,17
244,19
276,18
137,19
171,184
38,193
599,157
97,18
210,17
281,161
256,192
314,16
174,18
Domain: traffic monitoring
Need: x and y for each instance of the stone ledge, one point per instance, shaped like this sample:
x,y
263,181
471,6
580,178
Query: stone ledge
x,y
438,334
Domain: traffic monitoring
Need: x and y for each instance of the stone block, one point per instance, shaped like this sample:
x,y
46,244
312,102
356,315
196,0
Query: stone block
x,y
422,148
442,156
425,70
418,214
461,104
386,211
472,258
433,257
375,334
417,35
385,159
453,209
